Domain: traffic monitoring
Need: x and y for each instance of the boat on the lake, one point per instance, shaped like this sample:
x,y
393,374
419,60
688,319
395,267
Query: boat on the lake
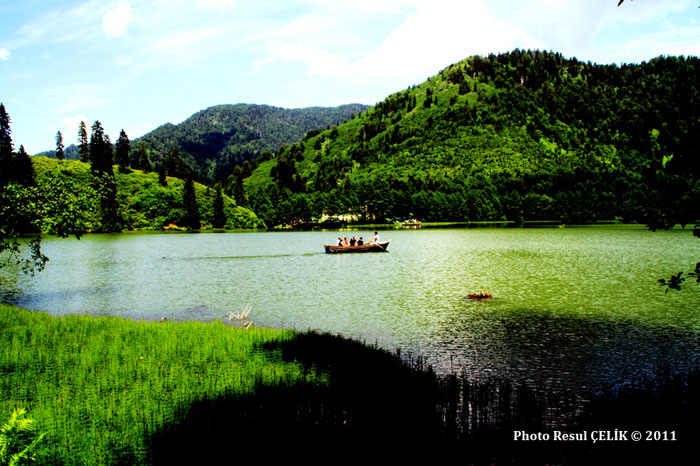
x,y
367,247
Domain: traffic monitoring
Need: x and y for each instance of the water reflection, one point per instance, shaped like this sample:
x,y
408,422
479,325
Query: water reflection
x,y
567,353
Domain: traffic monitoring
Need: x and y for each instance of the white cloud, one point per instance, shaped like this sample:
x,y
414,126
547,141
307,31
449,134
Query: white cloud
x,y
4,54
437,33
221,5
115,22
372,6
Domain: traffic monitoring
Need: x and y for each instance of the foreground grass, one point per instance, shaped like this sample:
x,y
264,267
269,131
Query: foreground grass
x,y
109,390
101,386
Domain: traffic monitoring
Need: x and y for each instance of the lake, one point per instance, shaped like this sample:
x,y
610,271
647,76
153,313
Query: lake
x,y
573,307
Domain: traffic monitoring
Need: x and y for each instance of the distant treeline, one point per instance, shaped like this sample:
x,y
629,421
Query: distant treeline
x,y
525,135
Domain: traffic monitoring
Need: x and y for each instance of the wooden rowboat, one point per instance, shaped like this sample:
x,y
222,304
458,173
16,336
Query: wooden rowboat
x,y
368,247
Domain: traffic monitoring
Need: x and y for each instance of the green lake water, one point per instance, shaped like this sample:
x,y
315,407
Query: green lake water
x,y
575,306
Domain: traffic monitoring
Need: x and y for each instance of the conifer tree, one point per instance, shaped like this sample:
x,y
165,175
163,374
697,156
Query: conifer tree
x,y
161,174
108,159
122,153
144,162
239,174
97,148
23,170
109,207
189,204
5,147
101,160
428,98
219,220
176,166
83,147
60,154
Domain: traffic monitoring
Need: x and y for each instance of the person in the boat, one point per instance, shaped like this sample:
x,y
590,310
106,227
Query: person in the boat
x,y
375,238
345,241
340,241
360,242
353,241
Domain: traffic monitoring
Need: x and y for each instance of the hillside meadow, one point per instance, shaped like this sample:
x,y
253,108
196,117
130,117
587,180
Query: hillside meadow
x,y
144,203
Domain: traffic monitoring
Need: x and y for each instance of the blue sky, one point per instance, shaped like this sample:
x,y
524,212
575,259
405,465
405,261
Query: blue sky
x,y
136,64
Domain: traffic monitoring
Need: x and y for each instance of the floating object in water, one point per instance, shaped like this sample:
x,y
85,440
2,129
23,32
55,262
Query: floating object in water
x,y
480,295
367,247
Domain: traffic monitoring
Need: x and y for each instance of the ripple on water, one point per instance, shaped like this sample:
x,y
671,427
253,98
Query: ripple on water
x,y
571,307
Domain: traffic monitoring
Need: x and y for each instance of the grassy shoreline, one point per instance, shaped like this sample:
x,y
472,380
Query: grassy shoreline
x,y
110,390
100,385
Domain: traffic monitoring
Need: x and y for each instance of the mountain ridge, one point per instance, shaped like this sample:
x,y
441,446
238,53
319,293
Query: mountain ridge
x,y
216,139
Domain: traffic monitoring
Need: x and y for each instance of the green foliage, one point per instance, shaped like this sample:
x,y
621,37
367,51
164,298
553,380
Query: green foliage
x,y
100,151
106,190
214,141
6,146
189,203
26,211
162,175
141,201
122,152
219,217
83,146
525,135
22,170
101,386
176,166
60,153
18,440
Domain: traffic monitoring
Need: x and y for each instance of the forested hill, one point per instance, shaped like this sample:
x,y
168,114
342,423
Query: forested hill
x,y
215,140
142,200
524,135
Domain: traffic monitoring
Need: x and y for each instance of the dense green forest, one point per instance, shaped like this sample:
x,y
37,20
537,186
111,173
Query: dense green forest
x,y
216,140
525,135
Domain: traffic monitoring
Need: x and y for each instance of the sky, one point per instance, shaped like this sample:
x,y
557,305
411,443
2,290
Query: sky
x,y
137,64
